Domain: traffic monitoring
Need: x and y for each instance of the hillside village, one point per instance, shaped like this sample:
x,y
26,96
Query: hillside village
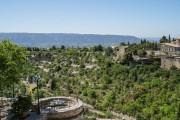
x,y
172,57
90,60
122,75
168,53
145,53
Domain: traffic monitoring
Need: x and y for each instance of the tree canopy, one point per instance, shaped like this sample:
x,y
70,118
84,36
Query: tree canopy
x,y
12,61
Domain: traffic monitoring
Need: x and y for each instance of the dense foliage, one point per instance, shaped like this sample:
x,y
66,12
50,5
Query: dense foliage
x,y
139,49
12,64
142,91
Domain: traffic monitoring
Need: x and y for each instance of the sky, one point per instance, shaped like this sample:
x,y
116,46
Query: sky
x,y
141,18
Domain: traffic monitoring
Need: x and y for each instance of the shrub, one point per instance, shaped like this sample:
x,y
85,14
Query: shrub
x,y
22,105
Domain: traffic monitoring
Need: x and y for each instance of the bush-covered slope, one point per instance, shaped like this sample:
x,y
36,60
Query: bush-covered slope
x,y
143,91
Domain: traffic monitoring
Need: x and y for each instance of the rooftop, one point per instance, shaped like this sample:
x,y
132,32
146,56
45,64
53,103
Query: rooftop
x,y
175,43
171,44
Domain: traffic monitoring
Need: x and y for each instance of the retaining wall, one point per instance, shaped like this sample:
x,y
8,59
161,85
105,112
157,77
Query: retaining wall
x,y
65,113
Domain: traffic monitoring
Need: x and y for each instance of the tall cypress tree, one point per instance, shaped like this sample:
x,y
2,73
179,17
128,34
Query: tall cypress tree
x,y
169,40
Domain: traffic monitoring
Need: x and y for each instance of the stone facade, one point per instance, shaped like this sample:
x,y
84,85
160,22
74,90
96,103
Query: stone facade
x,y
171,48
66,114
119,52
170,62
172,57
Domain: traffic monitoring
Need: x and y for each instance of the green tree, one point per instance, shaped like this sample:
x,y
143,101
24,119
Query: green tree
x,y
62,47
98,48
169,39
163,39
12,61
109,51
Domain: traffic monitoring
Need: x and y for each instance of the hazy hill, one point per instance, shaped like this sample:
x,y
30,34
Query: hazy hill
x,y
58,39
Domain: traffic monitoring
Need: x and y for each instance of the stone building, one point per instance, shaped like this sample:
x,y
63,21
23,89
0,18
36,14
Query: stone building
x,y
120,51
170,62
172,48
172,57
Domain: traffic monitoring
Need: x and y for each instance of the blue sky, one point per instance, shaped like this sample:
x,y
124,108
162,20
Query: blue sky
x,y
142,18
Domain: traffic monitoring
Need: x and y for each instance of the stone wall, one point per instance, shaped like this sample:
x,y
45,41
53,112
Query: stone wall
x,y
64,115
68,112
120,52
169,62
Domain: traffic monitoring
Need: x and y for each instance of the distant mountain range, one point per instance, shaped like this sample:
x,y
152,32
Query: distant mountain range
x,y
67,39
